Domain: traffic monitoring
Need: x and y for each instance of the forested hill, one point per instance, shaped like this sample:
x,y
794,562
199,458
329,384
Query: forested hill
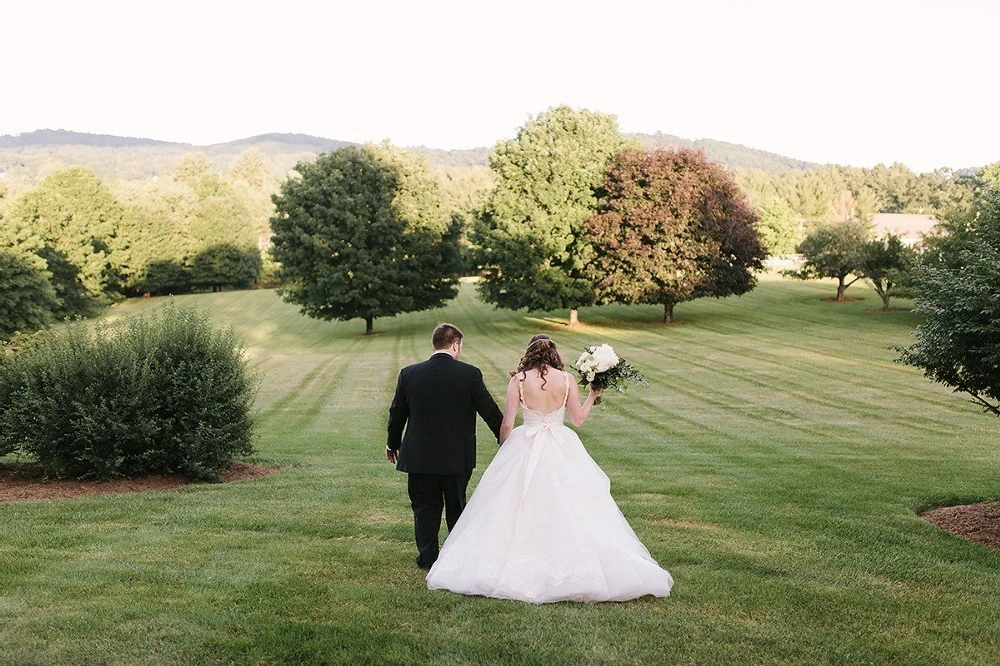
x,y
733,155
47,138
27,157
284,143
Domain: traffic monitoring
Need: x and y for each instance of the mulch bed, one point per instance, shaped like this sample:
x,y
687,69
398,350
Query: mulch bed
x,y
24,481
975,522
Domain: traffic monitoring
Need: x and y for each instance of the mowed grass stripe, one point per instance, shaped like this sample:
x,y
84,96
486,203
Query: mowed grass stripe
x,y
302,398
783,376
843,399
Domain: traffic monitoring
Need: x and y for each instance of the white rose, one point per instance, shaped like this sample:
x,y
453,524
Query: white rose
x,y
605,358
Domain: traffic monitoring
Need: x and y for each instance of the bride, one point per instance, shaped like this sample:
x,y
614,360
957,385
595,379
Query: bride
x,y
541,525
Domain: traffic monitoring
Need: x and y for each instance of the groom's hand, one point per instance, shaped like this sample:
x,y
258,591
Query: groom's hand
x,y
391,455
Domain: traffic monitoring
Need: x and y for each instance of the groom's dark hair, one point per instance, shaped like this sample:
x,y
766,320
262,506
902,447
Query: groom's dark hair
x,y
445,336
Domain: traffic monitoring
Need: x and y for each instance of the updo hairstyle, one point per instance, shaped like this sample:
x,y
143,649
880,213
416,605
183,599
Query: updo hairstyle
x,y
540,355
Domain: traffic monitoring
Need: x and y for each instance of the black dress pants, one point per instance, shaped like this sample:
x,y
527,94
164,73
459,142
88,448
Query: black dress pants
x,y
429,495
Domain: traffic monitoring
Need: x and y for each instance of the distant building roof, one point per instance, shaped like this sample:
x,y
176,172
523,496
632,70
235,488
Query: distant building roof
x,y
911,228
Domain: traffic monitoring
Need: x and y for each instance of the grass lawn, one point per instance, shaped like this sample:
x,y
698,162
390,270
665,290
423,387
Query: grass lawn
x,y
775,467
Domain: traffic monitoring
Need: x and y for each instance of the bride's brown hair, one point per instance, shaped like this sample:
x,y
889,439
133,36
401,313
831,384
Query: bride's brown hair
x,y
540,355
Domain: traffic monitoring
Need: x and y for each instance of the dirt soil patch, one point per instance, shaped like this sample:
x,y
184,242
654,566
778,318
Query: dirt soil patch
x,y
975,522
25,481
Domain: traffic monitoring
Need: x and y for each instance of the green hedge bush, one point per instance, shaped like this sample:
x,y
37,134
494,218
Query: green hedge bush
x,y
165,393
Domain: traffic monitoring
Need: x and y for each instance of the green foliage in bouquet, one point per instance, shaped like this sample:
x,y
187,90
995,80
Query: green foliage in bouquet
x,y
619,377
602,368
161,394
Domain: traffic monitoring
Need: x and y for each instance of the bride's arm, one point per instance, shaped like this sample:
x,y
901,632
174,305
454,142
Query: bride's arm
x,y
509,410
578,413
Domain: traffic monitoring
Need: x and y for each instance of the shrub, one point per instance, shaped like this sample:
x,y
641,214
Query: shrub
x,y
166,393
20,342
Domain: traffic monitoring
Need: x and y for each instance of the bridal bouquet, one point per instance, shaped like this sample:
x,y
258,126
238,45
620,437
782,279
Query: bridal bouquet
x,y
601,366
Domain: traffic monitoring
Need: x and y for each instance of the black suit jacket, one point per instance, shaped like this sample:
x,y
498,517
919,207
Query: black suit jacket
x,y
437,402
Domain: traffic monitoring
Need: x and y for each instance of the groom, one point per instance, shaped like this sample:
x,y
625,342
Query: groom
x,y
437,402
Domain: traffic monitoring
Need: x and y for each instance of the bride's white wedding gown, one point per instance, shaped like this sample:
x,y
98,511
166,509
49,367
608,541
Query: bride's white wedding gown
x,y
542,526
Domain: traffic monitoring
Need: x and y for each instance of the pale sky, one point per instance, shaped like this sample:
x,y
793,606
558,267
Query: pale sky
x,y
856,82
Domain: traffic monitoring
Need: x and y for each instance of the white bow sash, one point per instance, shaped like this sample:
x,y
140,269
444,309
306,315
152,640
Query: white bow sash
x,y
540,433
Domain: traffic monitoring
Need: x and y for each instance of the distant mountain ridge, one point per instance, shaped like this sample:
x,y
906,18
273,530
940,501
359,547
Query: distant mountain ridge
x,y
733,155
26,157
295,142
48,137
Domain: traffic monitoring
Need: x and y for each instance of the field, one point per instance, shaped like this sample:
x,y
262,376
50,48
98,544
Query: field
x,y
775,466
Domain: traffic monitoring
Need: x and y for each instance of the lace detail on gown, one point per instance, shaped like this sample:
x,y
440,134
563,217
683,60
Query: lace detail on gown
x,y
542,526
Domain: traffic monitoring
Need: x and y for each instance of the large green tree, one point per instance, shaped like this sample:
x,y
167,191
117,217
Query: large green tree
x,y
27,298
833,250
157,217
532,246
78,221
364,233
671,226
222,243
958,344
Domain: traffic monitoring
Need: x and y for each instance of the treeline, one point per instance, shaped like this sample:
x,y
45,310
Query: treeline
x,y
792,202
74,243
75,240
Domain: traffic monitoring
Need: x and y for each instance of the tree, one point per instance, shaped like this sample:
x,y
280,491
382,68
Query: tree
x,y
78,221
156,220
222,246
532,248
251,169
988,177
194,170
810,193
27,299
778,229
223,249
363,232
958,344
671,226
888,264
956,230
225,266
832,250
254,182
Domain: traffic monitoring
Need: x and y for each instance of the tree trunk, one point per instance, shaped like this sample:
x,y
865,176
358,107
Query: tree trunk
x,y
885,302
840,290
574,317
668,313
369,325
